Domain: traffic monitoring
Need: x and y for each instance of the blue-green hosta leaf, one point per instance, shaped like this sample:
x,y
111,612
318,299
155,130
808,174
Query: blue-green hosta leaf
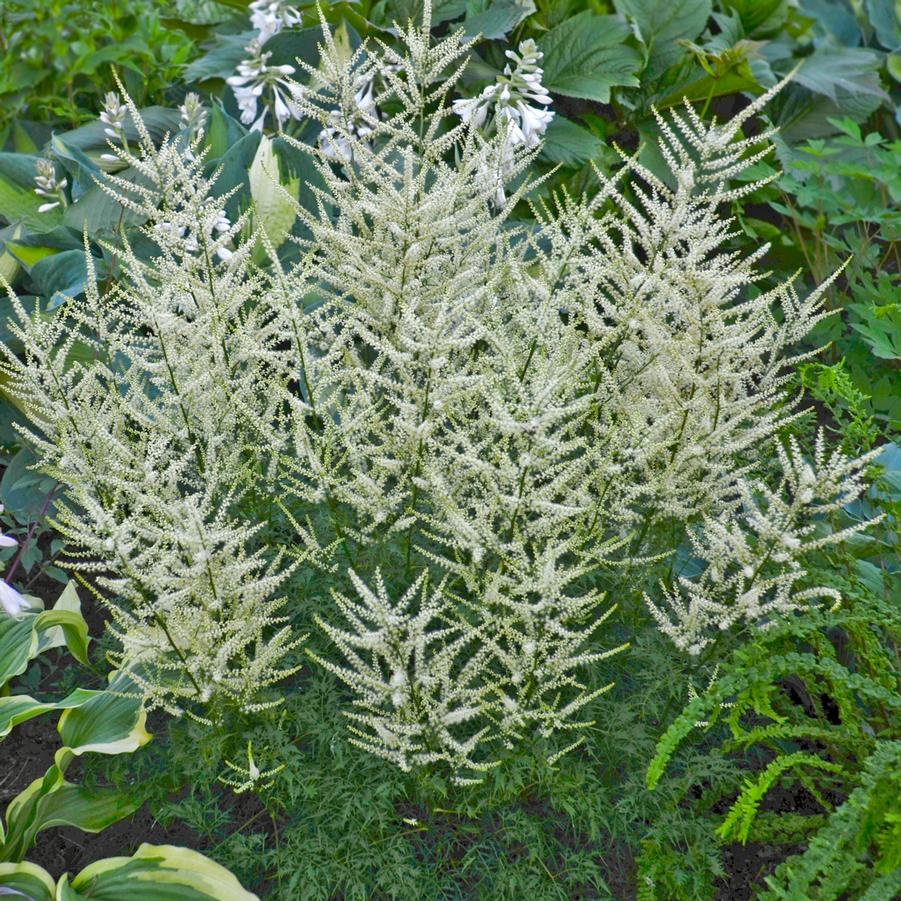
x,y
26,882
890,458
661,24
153,873
834,19
64,275
235,169
499,19
22,490
158,120
585,56
99,213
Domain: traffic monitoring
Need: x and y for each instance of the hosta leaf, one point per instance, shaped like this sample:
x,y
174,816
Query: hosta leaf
x,y
109,722
18,644
586,55
98,212
51,801
26,882
64,275
222,59
16,709
158,120
885,17
274,211
18,202
156,872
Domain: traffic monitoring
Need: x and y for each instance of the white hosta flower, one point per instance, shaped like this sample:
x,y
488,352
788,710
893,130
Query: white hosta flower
x,y
255,77
113,116
336,142
511,104
334,145
7,540
217,224
48,185
475,109
192,114
11,601
533,122
268,17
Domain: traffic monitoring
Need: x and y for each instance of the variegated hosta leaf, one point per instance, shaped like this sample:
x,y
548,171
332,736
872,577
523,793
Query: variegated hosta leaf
x,y
26,882
36,630
153,873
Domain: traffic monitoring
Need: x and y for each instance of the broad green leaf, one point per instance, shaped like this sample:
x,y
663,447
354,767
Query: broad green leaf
x,y
158,120
28,256
585,56
55,637
99,213
64,275
499,19
568,143
23,142
834,71
223,132
759,18
110,722
16,709
25,881
275,212
222,60
235,167
24,490
18,645
74,628
893,64
18,202
662,24
9,263
20,639
835,19
51,801
156,872
885,17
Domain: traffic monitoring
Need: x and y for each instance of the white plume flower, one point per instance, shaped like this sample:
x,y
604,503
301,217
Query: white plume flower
x,y
503,418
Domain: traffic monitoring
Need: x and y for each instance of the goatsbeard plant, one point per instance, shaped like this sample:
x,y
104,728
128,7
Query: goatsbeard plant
x,y
479,433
